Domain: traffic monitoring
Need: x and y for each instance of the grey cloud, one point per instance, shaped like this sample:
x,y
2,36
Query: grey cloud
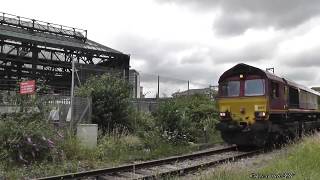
x,y
154,52
253,52
239,15
259,51
159,58
307,58
302,75
145,77
232,25
196,57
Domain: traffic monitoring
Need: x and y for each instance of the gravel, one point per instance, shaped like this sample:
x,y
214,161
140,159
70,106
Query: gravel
x,y
250,164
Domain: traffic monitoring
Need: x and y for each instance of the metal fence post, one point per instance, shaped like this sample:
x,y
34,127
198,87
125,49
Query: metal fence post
x,y
72,89
158,95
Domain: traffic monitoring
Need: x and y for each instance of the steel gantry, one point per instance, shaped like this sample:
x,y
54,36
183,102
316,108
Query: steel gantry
x,y
31,49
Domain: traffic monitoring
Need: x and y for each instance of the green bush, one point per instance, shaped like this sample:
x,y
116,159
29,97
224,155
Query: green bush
x,y
110,101
27,138
142,122
186,119
119,149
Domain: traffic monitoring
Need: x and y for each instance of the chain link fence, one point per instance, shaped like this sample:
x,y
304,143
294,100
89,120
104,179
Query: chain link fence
x,y
55,108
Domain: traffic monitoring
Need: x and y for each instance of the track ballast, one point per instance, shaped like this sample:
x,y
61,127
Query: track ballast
x,y
171,166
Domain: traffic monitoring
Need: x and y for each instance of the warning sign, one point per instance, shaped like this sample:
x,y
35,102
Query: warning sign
x,y
28,87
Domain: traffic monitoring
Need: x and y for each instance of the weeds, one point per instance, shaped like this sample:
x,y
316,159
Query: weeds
x,y
186,119
300,160
26,139
32,148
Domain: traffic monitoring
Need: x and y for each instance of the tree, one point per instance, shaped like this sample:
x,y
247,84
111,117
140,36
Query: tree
x,y
110,101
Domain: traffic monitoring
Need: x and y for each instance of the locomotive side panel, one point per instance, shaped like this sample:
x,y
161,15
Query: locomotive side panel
x,y
293,98
277,96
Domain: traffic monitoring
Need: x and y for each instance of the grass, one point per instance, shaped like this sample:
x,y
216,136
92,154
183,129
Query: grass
x,y
111,151
131,148
118,147
300,161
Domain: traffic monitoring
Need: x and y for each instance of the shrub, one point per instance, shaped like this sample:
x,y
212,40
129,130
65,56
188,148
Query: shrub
x,y
123,148
186,118
110,101
26,138
142,122
73,149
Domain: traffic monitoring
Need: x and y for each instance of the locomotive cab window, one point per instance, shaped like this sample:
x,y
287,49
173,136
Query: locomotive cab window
x,y
230,88
274,90
254,87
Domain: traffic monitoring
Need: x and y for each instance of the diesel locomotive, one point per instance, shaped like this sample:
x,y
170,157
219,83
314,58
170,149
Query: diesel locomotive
x,y
258,108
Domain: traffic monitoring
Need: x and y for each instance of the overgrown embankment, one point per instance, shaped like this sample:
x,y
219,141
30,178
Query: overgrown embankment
x,y
300,160
33,147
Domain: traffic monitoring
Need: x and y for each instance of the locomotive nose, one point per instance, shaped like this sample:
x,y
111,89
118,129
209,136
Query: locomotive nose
x,y
246,110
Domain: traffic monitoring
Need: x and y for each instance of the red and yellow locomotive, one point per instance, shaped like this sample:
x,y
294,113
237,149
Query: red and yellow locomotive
x,y
257,107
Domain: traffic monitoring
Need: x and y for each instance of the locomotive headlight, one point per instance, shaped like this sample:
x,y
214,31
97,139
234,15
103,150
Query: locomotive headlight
x,y
260,114
222,114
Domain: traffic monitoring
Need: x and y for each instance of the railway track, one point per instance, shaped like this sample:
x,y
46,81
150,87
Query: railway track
x,y
176,165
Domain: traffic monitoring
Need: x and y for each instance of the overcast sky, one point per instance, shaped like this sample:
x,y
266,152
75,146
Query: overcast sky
x,y
196,40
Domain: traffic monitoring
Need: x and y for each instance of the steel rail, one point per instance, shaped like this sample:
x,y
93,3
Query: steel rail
x,y
181,171
132,167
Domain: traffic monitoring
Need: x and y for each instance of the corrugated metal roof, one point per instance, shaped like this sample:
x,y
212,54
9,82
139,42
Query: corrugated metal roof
x,y
53,40
301,87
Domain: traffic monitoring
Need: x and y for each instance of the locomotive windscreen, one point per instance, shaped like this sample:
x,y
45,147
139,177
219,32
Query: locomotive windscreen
x,y
230,88
254,87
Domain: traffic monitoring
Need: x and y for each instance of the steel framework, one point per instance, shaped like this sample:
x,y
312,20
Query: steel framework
x,y
32,49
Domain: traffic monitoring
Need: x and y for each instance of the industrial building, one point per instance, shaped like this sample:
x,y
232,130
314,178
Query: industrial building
x,y
35,50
